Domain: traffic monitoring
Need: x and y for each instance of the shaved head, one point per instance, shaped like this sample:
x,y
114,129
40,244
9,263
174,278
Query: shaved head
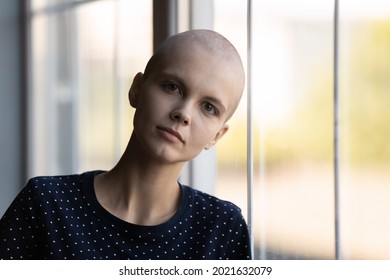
x,y
197,42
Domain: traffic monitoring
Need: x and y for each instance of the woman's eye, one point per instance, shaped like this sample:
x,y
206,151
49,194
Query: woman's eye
x,y
170,87
210,109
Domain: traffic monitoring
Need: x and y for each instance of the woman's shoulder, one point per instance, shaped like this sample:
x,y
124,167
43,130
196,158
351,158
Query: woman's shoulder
x,y
211,203
49,183
57,184
46,181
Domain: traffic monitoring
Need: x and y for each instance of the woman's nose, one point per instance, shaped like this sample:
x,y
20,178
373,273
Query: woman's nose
x,y
181,115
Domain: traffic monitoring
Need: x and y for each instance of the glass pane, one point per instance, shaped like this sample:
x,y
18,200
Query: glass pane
x,y
37,5
230,20
39,108
293,125
50,93
83,59
111,54
365,129
293,101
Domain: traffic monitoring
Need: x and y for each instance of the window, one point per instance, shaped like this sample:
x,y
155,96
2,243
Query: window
x,y
365,154
293,128
84,55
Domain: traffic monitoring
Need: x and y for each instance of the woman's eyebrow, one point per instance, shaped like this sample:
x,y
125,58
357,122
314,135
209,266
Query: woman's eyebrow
x,y
172,76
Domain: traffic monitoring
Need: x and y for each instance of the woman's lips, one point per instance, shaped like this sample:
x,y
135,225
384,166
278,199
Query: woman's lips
x,y
171,134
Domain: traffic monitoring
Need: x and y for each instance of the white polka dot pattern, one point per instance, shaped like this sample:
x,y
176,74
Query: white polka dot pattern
x,y
60,218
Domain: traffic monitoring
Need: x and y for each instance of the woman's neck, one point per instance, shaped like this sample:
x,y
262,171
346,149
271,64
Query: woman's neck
x,y
140,190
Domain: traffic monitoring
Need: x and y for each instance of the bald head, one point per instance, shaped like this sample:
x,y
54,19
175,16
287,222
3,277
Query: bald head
x,y
199,43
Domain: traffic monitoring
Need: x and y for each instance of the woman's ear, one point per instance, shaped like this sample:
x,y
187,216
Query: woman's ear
x,y
218,136
134,89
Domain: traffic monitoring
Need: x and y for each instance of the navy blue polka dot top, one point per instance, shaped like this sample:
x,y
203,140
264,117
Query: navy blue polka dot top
x,y
60,217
